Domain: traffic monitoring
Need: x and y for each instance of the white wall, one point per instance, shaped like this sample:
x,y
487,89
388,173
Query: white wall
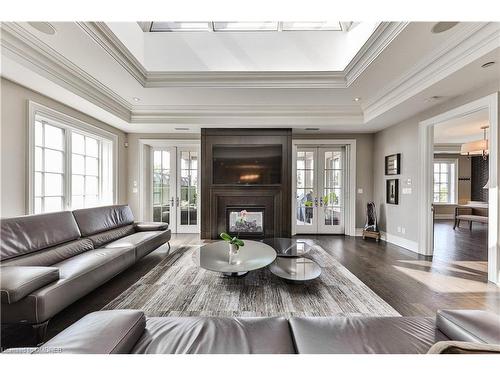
x,y
14,141
403,138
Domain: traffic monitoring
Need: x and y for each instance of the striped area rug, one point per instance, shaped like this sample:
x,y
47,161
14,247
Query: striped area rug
x,y
177,286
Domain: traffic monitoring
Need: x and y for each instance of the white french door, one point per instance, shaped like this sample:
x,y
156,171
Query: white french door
x,y
320,190
175,187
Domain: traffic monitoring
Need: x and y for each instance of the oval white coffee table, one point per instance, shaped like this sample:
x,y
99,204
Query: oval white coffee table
x,y
254,255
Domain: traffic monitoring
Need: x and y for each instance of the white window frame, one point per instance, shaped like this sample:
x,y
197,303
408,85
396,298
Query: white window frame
x,y
453,161
68,123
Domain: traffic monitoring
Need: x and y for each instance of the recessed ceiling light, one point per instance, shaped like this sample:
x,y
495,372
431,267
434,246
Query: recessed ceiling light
x,y
43,27
136,99
441,27
357,99
488,64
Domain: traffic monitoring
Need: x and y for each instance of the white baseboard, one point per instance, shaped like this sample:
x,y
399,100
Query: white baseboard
x,y
395,240
400,241
444,216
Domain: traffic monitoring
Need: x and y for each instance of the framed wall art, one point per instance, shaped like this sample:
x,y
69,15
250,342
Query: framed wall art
x,y
393,164
392,191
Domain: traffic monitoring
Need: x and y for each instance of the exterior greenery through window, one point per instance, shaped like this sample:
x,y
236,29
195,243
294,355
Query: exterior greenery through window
x,y
72,168
445,175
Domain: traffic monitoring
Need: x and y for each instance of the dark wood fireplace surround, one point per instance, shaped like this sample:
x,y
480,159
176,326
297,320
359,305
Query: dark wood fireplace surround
x,y
274,199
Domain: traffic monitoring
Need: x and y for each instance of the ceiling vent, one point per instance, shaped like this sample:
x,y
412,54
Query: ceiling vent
x,y
312,129
488,64
441,27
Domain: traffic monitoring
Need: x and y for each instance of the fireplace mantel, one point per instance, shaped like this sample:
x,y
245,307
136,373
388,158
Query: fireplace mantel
x,y
218,198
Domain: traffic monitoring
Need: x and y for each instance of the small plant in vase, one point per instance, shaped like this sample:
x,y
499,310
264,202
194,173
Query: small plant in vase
x,y
234,245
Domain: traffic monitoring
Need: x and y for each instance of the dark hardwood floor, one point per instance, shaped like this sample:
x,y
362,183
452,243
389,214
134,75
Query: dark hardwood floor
x,y
413,284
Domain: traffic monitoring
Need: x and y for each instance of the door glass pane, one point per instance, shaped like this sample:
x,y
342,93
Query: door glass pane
x,y
77,185
91,186
91,147
77,202
161,186
91,166
38,184
38,159
78,163
332,198
38,134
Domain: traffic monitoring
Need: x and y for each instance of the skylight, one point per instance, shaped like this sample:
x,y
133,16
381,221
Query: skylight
x,y
245,26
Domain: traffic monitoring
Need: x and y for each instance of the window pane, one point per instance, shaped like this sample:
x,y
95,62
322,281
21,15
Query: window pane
x,y
92,147
91,185
53,161
78,164
53,184
184,160
38,133
78,143
38,158
77,185
54,137
91,200
77,202
38,184
436,167
38,205
53,204
91,166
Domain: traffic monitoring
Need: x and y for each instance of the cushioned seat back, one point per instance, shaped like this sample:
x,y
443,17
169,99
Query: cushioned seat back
x,y
28,234
99,219
51,255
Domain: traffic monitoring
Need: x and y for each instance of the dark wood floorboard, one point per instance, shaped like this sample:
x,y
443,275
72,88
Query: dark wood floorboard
x,y
413,284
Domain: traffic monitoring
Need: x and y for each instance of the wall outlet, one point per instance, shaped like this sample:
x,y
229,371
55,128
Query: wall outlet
x,y
360,190
399,229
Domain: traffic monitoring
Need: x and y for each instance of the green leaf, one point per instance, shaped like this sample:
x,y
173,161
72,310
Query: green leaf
x,y
225,237
239,243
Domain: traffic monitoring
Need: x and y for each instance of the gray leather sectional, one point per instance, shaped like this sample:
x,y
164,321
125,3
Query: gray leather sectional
x,y
129,331
49,261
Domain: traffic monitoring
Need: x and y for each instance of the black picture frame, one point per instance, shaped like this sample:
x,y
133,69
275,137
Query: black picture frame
x,y
392,191
393,164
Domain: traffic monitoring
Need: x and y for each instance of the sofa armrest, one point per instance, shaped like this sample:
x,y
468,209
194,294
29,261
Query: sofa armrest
x,y
150,226
460,347
469,325
19,281
100,332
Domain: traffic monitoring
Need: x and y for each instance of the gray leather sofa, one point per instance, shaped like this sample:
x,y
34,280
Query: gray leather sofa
x,y
49,261
128,331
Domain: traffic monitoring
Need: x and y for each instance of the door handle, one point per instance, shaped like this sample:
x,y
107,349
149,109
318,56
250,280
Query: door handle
x,y
316,202
177,201
172,202
321,201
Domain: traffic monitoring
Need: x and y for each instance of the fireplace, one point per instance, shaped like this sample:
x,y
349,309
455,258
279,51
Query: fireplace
x,y
245,221
246,170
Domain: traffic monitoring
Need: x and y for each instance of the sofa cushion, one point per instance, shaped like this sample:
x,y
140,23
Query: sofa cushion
x,y
79,275
27,234
461,347
18,282
198,335
469,325
51,255
101,332
101,239
148,226
143,242
99,219
364,335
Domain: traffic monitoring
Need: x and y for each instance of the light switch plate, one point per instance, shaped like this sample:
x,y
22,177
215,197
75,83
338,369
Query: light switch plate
x,y
360,190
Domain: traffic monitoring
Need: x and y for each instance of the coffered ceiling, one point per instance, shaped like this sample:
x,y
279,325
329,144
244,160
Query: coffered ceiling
x,y
359,80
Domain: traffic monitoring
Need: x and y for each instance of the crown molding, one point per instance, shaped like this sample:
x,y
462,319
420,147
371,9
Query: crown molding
x,y
376,43
470,43
27,50
383,35
258,113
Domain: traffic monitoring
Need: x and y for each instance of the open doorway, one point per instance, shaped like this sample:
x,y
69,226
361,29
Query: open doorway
x,y
426,179
460,189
